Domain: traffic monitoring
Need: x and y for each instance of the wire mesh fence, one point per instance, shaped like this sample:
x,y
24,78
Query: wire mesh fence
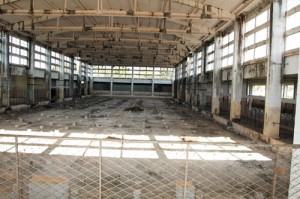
x,y
93,166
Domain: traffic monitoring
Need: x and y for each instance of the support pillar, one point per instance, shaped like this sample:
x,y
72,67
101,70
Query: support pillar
x,y
91,85
86,80
179,70
61,80
79,79
195,81
237,73
274,70
30,74
187,82
215,106
175,82
202,89
71,80
132,81
183,82
152,87
5,71
112,80
48,75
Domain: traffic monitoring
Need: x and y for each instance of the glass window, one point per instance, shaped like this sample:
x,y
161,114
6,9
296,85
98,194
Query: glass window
x,y
210,57
293,21
40,57
249,54
250,25
292,26
262,18
227,50
258,90
260,51
256,41
288,91
292,41
292,3
261,35
55,61
67,64
18,51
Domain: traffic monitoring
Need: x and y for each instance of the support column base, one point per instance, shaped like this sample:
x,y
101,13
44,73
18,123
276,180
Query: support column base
x,y
272,122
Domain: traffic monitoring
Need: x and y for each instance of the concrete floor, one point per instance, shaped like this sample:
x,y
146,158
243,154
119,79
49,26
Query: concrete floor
x,y
144,154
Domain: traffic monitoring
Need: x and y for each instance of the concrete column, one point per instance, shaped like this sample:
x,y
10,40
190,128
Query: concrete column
x,y
48,74
30,74
79,79
132,81
215,106
174,87
91,85
195,81
187,82
179,70
111,81
183,82
202,89
274,70
71,81
5,74
86,77
61,79
152,87
237,73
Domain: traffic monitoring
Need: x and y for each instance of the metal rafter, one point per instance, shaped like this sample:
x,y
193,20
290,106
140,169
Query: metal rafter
x,y
219,15
98,39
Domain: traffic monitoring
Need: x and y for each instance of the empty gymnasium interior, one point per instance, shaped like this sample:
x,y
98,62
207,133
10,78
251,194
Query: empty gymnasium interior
x,y
149,99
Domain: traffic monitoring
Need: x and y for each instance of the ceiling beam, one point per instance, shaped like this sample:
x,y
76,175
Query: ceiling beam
x,y
208,14
112,29
102,39
7,2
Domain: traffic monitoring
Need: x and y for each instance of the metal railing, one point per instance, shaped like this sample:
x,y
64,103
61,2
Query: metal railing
x,y
287,120
252,114
225,106
86,166
18,96
21,96
208,102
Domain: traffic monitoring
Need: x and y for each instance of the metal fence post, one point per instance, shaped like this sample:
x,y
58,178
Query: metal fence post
x,y
275,173
17,168
186,170
100,169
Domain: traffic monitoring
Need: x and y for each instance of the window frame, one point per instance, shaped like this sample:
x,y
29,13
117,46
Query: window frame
x,y
251,51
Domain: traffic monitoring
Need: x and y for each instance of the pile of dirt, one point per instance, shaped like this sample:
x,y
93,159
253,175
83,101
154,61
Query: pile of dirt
x,y
134,109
